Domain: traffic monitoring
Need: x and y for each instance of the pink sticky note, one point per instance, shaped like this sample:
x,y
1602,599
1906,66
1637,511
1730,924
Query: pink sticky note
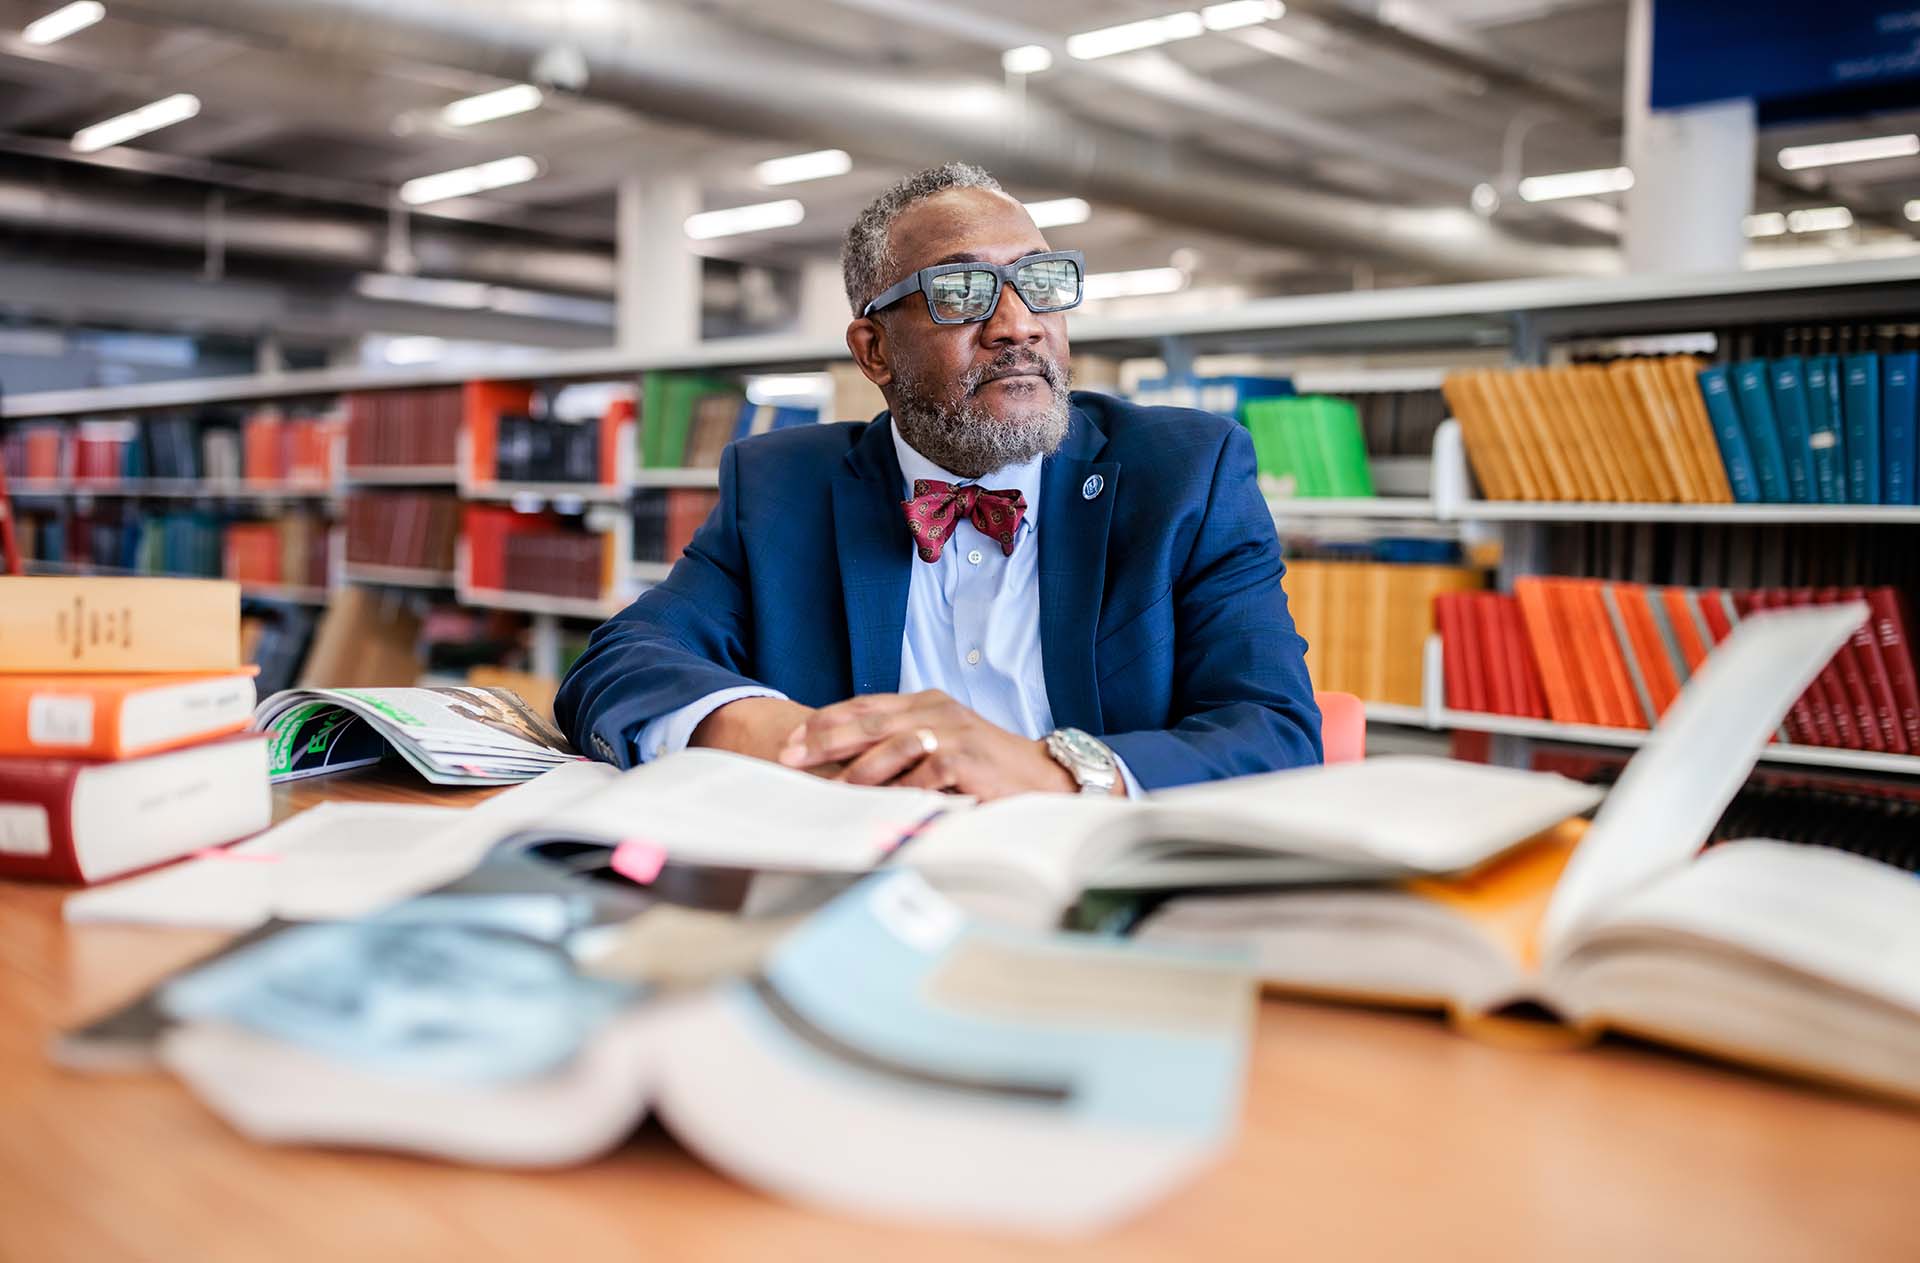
x,y
238,857
639,862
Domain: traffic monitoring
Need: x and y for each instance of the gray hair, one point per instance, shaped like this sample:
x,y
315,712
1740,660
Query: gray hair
x,y
866,260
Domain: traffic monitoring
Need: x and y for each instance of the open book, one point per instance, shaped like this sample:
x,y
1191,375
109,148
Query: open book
x,y
450,735
1797,958
884,1056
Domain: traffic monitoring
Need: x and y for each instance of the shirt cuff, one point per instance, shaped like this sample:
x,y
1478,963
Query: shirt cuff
x,y
670,733
1126,775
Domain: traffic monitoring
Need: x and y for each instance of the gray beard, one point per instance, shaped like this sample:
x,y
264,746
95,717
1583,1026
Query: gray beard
x,y
965,438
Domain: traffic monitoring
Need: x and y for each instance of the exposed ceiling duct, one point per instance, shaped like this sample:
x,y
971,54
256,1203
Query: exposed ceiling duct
x,y
676,64
333,238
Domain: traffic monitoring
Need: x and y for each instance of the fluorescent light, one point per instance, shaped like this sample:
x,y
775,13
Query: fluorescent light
x,y
1061,210
1820,219
800,167
1866,149
1235,14
418,350
1132,36
1765,224
1028,59
488,106
1134,284
63,22
388,287
1913,209
1549,188
148,118
466,181
758,217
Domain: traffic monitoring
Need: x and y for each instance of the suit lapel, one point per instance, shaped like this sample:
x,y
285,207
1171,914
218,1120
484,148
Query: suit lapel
x,y
1073,569
875,551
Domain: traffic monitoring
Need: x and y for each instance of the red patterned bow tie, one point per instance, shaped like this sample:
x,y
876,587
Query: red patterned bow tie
x,y
935,511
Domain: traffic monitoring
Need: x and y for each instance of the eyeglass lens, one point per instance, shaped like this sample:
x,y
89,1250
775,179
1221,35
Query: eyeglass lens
x,y
1048,285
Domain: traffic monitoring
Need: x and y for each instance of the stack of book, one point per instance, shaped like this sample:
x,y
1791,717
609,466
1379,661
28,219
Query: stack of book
x,y
413,530
1310,445
282,451
1582,651
546,553
1634,430
664,521
122,705
405,428
687,419
1366,623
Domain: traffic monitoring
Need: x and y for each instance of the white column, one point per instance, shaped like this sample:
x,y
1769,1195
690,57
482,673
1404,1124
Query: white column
x,y
1692,171
658,272
823,300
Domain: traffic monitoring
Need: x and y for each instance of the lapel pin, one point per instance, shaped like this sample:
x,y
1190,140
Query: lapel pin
x,y
1091,487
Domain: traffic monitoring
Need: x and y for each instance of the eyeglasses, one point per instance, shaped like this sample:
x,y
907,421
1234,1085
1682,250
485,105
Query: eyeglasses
x,y
967,293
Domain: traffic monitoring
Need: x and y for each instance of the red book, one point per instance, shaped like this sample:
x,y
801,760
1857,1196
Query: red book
x,y
1564,689
1851,672
1454,648
76,820
1602,655
1485,612
1896,651
1828,688
1525,664
1812,721
1886,707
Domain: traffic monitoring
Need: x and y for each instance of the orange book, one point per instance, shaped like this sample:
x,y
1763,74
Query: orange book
x,y
1600,656
1485,448
1657,672
1689,629
1565,690
481,406
120,716
104,624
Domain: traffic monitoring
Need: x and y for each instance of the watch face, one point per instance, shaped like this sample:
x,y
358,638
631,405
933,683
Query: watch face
x,y
1085,749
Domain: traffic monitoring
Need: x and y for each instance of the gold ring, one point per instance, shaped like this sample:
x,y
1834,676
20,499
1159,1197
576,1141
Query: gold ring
x,y
928,741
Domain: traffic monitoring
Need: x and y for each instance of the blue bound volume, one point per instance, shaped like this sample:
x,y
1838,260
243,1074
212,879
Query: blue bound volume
x,y
1790,410
1822,380
1860,404
1735,453
1897,408
1763,430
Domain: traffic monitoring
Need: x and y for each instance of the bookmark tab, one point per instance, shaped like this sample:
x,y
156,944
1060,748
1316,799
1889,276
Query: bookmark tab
x,y
639,862
237,857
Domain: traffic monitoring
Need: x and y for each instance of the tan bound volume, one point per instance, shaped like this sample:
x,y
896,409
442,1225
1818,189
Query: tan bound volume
x,y
87,624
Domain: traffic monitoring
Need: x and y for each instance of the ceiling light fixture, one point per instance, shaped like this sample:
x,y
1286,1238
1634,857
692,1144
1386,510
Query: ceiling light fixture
x,y
1028,59
122,128
466,181
488,106
1866,149
758,217
1134,284
1129,37
1819,219
63,22
1234,14
1765,224
1550,188
1913,210
1058,212
798,168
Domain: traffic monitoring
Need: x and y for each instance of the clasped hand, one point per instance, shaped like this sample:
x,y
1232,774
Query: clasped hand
x,y
925,740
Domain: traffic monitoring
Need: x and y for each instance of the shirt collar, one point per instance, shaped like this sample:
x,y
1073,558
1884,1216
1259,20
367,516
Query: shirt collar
x,y
1024,478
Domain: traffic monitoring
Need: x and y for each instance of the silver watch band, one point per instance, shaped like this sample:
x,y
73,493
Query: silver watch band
x,y
1087,759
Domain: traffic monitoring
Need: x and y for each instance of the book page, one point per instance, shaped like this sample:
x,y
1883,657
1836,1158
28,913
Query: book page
x,y
1674,788
1852,921
1432,815
712,807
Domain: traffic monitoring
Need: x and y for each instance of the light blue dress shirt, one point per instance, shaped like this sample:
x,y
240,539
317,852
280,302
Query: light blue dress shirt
x,y
972,629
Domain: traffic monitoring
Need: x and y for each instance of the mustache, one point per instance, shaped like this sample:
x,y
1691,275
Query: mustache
x,y
1009,363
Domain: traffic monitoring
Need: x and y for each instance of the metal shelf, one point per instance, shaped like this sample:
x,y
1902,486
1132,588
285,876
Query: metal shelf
x,y
402,476
693,477
397,576
173,489
1377,317
1420,509
1756,514
541,603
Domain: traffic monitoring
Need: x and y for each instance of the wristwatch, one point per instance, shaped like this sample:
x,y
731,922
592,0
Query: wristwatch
x,y
1087,758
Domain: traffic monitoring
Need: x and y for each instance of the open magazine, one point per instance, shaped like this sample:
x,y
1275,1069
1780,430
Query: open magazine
x,y
452,735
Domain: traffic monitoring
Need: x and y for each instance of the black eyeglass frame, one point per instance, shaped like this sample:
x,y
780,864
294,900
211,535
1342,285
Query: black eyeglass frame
x,y
919,283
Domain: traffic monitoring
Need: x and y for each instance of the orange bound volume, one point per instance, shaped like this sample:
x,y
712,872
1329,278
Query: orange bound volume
x,y
1566,700
89,625
120,716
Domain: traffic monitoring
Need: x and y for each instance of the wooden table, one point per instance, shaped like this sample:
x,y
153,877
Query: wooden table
x,y
1366,1135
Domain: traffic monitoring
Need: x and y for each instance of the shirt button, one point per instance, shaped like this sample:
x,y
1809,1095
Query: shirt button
x,y
974,556
973,657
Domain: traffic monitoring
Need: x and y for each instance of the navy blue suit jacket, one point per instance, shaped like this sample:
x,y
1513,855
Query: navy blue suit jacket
x,y
1163,627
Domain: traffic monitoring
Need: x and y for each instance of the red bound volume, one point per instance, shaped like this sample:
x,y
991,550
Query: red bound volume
x,y
1852,672
1886,707
1453,648
1486,620
1896,651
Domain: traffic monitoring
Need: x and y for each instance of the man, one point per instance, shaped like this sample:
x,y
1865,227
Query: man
x,y
991,588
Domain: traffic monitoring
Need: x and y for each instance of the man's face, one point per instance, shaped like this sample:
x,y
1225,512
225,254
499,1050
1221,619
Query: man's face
x,y
974,398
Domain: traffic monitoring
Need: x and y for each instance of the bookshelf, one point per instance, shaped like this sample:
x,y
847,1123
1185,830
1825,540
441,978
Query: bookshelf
x,y
1517,319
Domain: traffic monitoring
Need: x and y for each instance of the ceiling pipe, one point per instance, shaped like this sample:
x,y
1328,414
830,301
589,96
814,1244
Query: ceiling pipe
x,y
331,239
676,64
